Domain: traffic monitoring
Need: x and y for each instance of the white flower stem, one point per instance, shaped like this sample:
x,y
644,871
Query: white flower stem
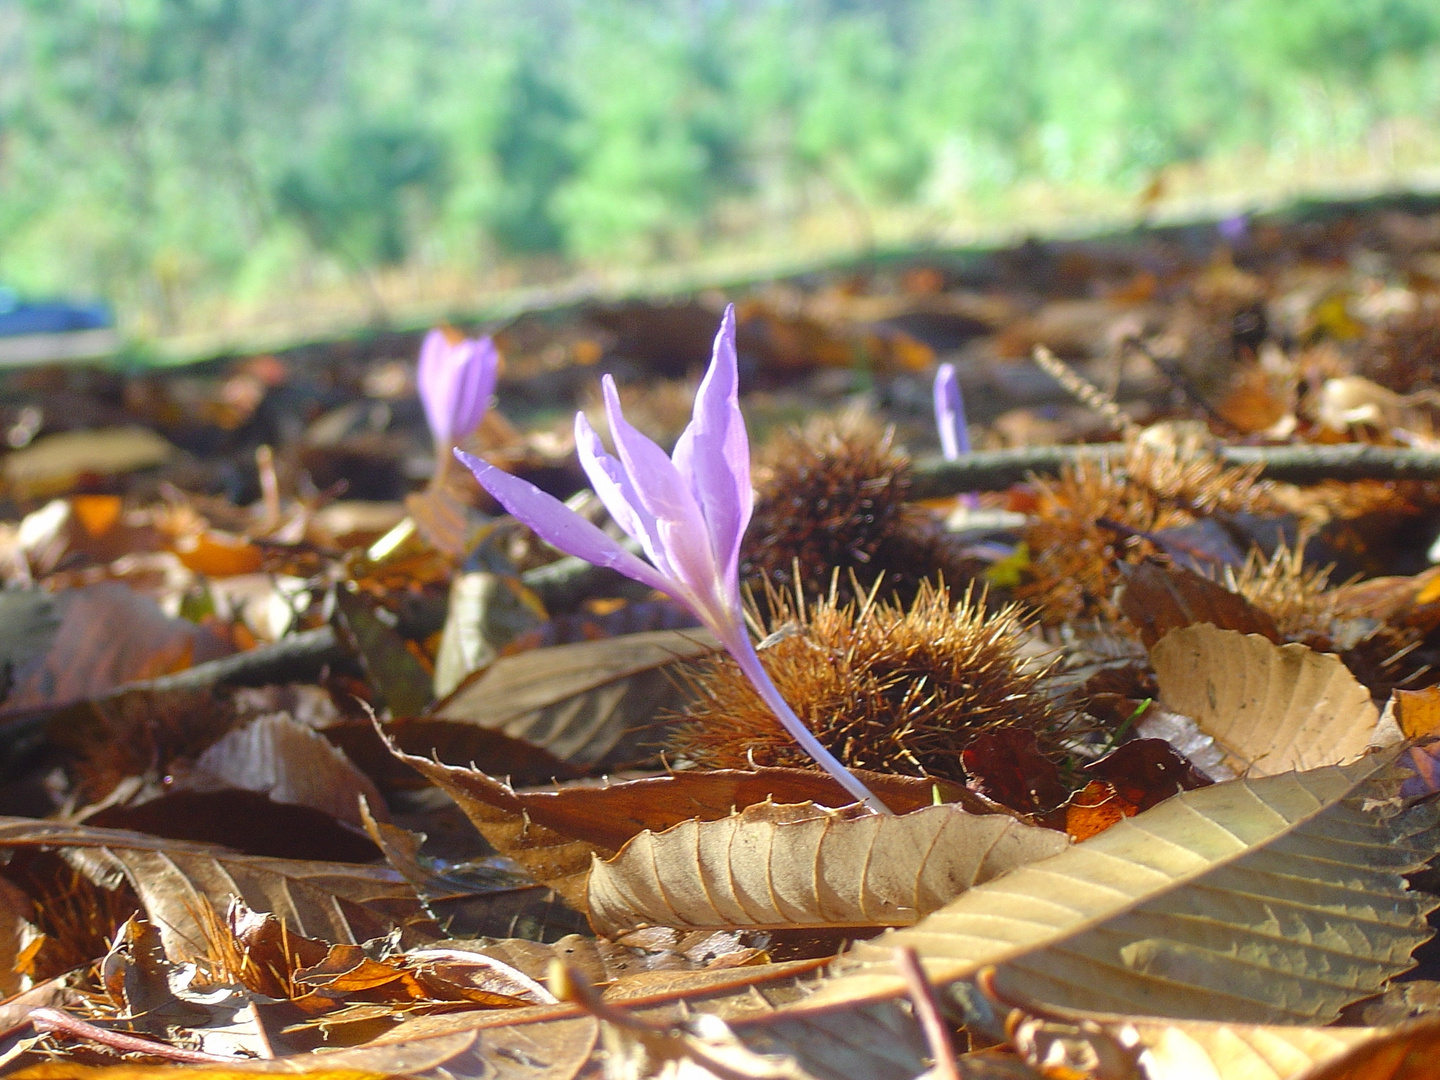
x,y
744,653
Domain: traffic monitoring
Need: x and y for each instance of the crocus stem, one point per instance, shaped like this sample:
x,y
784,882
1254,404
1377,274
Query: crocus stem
x,y
745,655
444,460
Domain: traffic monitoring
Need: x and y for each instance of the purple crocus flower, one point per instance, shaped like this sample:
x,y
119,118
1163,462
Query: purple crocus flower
x,y
687,511
456,381
1233,229
950,414
950,420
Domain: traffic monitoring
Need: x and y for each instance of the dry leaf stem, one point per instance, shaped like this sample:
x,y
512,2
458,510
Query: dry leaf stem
x,y
58,1022
927,1012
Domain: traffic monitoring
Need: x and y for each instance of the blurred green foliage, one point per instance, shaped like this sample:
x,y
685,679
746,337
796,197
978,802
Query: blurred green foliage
x,y
157,150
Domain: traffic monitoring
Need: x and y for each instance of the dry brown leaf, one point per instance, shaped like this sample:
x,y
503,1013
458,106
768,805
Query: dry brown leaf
x,y
498,813
161,999
867,1041
1275,900
291,763
242,821
321,979
135,732
452,741
608,813
585,703
554,832
52,464
1408,1052
1270,708
88,657
703,1048
1109,1046
396,674
498,903
619,962
536,1043
559,1050
61,992
337,902
1158,599
773,866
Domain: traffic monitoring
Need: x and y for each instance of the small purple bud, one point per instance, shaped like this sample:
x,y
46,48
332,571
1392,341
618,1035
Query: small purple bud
x,y
950,414
1235,228
950,420
456,380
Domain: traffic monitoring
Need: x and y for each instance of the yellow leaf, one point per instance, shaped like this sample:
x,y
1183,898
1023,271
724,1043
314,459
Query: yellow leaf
x,y
1270,708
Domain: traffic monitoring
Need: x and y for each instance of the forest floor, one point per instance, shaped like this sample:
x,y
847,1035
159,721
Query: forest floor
x,y
311,759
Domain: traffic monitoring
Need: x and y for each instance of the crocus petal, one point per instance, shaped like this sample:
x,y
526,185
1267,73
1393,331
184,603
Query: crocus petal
x,y
475,365
714,453
557,524
666,495
608,478
950,414
430,381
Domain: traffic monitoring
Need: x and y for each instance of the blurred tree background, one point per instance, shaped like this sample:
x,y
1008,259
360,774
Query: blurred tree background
x,y
171,154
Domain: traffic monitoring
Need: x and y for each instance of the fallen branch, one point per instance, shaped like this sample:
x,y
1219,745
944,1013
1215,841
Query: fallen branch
x,y
996,470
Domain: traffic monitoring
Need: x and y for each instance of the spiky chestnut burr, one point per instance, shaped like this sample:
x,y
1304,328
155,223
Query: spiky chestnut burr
x,y
1073,546
883,686
1400,352
832,496
1296,596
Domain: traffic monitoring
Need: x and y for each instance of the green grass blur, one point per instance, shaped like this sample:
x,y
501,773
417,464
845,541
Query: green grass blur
x,y
205,161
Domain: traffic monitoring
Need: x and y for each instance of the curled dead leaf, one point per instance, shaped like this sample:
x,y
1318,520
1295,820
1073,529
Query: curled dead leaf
x,y
553,832
292,763
772,866
1270,708
1159,598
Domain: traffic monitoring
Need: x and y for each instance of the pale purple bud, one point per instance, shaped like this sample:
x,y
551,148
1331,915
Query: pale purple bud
x,y
950,414
950,420
455,382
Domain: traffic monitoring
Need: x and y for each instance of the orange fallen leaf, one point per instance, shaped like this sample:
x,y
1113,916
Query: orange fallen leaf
x,y
218,554
1094,809
1418,712
97,514
1254,402
1429,592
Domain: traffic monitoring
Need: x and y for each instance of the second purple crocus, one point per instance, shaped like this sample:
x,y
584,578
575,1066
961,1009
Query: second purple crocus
x,y
950,421
688,511
950,413
455,380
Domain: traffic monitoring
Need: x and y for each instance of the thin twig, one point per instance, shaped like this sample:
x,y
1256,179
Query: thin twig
x,y
927,1011
1085,391
58,1022
269,484
996,470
